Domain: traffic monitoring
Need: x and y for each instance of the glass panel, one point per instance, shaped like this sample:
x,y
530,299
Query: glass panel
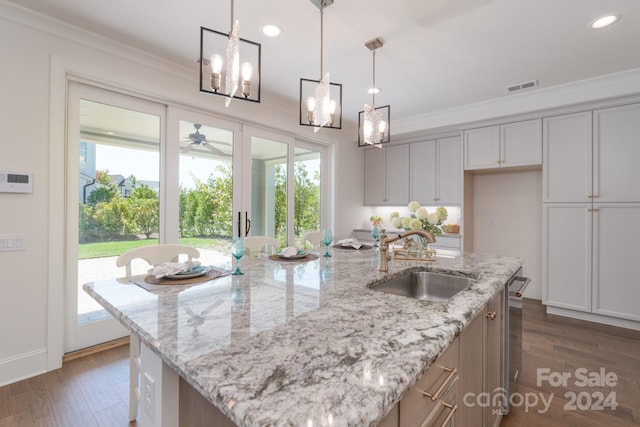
x,y
307,191
269,189
119,184
206,190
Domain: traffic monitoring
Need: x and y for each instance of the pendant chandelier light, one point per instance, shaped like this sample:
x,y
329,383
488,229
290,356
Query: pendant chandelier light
x,y
221,70
321,100
373,122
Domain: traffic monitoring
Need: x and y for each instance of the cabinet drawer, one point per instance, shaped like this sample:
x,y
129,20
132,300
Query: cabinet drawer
x,y
415,406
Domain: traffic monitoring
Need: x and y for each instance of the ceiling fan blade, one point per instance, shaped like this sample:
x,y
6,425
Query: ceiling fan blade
x,y
186,149
214,149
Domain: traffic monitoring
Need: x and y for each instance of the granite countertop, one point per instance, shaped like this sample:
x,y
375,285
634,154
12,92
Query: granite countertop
x,y
289,343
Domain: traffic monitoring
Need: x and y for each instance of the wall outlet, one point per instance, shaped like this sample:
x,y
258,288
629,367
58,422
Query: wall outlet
x,y
149,395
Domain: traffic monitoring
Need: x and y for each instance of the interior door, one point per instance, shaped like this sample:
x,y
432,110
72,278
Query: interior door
x,y
113,198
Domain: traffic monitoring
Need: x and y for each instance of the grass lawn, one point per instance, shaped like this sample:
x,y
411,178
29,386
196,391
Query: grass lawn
x,y
105,249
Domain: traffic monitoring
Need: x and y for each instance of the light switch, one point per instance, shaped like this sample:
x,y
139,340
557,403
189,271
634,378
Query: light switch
x,y
13,242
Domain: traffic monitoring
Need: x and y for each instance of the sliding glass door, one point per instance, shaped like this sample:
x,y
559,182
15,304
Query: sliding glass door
x,y
113,198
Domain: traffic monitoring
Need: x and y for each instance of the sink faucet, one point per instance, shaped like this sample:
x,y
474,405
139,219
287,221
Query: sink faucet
x,y
383,264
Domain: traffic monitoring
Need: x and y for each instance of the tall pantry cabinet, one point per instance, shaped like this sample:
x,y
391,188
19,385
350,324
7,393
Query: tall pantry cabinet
x,y
591,212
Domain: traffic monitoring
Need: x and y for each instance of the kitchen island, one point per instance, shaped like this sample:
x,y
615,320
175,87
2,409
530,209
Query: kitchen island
x,y
303,343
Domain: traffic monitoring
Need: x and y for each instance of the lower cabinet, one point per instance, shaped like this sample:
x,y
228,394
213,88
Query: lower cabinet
x,y
432,400
482,367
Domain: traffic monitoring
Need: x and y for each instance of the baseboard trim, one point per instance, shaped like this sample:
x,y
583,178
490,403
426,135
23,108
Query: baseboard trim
x,y
95,349
597,318
23,366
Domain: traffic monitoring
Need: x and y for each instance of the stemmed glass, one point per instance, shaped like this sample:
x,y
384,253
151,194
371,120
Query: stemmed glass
x,y
237,250
375,233
327,238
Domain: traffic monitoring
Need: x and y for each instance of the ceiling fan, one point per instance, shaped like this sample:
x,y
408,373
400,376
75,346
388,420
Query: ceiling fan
x,y
199,139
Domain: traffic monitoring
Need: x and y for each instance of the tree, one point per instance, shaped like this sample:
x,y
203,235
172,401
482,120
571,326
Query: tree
x,y
144,210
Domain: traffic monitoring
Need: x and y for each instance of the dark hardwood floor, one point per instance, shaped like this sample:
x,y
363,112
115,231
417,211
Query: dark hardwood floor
x,y
93,390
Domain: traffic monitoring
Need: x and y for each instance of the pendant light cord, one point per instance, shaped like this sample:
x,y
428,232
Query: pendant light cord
x,y
373,89
321,37
231,17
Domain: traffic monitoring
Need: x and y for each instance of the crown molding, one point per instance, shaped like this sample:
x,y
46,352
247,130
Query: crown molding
x,y
577,93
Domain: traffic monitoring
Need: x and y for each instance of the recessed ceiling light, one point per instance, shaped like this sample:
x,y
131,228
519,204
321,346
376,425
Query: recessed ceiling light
x,y
604,21
374,90
271,30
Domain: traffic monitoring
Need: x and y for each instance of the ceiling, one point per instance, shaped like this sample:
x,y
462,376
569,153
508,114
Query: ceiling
x,y
438,54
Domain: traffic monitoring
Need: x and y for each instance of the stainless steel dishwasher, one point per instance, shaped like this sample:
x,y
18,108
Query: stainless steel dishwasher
x,y
513,338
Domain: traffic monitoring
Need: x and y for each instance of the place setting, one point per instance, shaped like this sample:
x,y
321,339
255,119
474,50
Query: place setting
x,y
293,254
179,273
351,244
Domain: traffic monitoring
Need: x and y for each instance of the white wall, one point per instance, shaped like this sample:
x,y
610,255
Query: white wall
x,y
507,220
36,54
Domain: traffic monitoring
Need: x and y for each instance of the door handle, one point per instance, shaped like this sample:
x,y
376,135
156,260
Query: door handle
x,y
247,223
239,223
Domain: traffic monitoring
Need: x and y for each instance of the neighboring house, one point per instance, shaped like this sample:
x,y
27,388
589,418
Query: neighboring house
x,y
87,181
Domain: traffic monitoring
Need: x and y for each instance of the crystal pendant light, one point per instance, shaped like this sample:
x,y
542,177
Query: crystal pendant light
x,y
224,74
373,122
321,100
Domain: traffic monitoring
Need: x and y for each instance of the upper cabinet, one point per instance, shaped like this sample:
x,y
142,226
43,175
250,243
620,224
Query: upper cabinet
x,y
508,145
436,171
592,157
386,176
567,158
616,151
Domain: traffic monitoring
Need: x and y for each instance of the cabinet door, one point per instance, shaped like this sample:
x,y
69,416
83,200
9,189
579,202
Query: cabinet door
x,y
482,148
494,359
616,245
449,180
374,176
566,147
471,370
423,172
616,148
397,168
521,143
566,253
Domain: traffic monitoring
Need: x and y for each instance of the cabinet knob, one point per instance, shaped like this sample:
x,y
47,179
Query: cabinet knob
x,y
491,315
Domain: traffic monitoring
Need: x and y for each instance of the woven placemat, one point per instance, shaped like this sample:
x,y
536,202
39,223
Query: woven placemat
x,y
309,257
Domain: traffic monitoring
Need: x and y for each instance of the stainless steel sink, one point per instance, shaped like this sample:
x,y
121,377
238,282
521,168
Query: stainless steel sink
x,y
425,285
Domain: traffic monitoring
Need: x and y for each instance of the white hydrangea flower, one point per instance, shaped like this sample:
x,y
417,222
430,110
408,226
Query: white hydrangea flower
x,y
433,218
415,224
413,206
421,213
442,213
397,222
405,222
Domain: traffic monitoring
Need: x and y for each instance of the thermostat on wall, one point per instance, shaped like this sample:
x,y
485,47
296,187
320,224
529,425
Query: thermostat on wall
x,y
16,182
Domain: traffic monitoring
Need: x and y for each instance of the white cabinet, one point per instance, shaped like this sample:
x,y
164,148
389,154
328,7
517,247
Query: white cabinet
x,y
592,156
386,174
508,145
616,151
591,212
436,171
567,147
566,267
589,256
616,241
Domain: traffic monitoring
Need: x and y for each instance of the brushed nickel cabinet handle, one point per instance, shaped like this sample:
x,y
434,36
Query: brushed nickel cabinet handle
x,y
452,373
